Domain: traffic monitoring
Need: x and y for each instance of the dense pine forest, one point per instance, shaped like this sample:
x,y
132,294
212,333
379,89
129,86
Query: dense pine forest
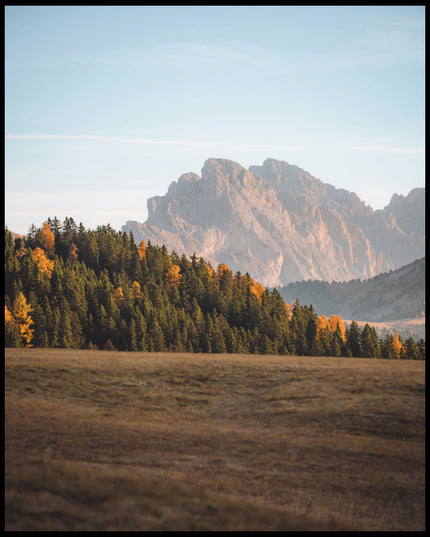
x,y
69,287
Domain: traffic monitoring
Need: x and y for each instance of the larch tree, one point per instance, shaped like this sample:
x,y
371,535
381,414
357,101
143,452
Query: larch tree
x,y
335,321
12,336
173,276
135,291
44,264
257,289
118,295
48,240
141,249
73,253
21,313
398,346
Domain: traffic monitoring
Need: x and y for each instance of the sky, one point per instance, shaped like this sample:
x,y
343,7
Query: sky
x,y
105,106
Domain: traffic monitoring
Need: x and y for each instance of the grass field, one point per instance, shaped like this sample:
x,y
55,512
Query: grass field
x,y
98,440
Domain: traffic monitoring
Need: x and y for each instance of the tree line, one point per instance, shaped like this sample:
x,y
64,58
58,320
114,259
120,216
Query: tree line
x,y
69,287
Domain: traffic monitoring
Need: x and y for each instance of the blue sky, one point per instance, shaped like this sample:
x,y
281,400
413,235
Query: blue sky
x,y
106,106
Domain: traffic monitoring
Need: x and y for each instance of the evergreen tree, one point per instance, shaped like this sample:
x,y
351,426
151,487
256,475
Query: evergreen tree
x,y
369,343
97,289
353,339
411,349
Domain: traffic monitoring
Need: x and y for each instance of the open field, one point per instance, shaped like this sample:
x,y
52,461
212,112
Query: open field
x,y
99,440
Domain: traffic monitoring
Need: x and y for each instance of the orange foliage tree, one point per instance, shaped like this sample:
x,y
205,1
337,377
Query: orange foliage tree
x,y
336,321
21,314
47,240
44,264
8,317
222,268
118,295
397,346
322,323
73,252
141,249
173,276
135,291
257,289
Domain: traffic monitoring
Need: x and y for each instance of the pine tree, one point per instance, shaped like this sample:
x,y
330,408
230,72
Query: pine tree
x,y
133,337
353,339
156,337
411,349
40,335
369,343
421,348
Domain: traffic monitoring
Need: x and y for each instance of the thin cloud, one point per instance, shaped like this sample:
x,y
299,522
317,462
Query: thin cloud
x,y
402,150
195,52
38,137
125,140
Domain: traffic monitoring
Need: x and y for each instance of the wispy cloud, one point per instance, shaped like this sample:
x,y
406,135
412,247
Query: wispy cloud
x,y
93,137
196,52
250,146
212,145
382,149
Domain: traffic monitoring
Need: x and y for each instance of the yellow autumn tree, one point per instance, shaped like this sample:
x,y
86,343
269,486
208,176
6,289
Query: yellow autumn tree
x,y
135,291
47,240
209,270
257,289
118,295
12,336
173,278
8,317
336,321
322,323
141,249
44,264
73,252
397,346
222,267
21,314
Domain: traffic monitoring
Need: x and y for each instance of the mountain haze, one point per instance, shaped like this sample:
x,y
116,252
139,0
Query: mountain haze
x,y
281,224
398,294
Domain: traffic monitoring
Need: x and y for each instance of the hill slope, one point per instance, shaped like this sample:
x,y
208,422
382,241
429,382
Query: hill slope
x,y
392,295
281,224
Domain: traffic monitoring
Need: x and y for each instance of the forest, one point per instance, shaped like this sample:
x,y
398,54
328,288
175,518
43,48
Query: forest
x,y
71,287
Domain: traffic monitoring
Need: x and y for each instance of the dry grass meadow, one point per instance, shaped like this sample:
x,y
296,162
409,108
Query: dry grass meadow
x,y
98,440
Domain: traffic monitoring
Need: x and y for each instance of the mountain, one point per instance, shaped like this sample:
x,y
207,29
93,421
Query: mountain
x,y
281,224
393,295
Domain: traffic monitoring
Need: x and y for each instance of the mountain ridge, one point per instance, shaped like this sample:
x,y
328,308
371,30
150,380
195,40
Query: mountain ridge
x,y
389,296
281,224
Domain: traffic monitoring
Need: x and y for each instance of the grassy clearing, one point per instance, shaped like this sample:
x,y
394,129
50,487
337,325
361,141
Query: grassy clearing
x,y
116,440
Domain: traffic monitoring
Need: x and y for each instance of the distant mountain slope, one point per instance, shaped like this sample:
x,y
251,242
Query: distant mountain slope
x,y
393,295
281,224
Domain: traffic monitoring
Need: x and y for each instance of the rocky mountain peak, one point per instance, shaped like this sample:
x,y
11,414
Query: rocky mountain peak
x,y
281,224
223,171
409,211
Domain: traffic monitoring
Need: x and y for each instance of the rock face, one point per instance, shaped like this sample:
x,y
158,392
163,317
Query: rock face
x,y
280,224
